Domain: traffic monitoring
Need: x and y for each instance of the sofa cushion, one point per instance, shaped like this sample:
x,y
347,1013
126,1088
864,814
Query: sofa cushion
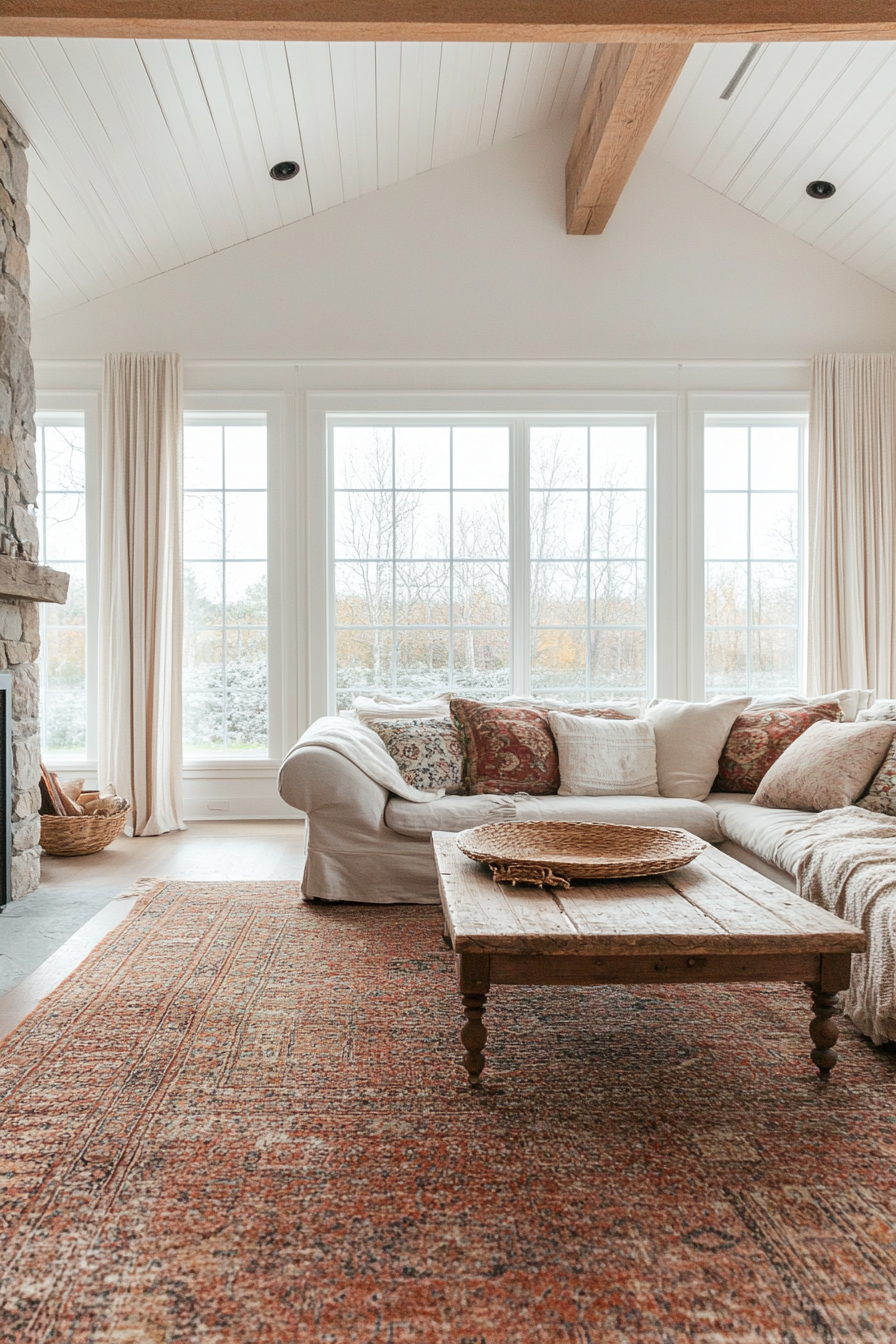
x,y
689,742
881,795
457,814
850,702
419,820
510,748
603,758
686,813
830,765
390,707
759,737
777,835
427,751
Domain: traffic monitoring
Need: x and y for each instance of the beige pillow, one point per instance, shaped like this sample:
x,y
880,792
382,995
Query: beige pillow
x,y
603,757
689,742
380,708
829,765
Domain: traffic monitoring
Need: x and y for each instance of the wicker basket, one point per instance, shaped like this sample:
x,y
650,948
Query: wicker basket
x,y
552,853
68,836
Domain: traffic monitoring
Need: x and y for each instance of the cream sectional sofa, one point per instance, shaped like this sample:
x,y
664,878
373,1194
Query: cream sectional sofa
x,y
365,844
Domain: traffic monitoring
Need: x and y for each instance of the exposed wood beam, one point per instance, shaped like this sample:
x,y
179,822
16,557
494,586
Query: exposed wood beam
x,y
603,21
627,90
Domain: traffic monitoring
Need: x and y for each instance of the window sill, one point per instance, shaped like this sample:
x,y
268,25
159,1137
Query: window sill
x,y
211,767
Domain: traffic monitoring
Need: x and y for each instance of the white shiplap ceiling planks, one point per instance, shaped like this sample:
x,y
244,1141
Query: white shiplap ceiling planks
x,y
149,154
803,111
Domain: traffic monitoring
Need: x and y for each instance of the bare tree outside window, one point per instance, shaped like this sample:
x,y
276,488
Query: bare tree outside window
x,y
588,537
421,559
63,544
752,508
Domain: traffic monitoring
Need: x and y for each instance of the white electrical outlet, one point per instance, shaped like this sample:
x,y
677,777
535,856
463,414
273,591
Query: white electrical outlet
x,y
218,807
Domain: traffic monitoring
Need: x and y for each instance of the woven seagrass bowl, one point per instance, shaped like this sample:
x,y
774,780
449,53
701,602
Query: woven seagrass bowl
x,y
555,853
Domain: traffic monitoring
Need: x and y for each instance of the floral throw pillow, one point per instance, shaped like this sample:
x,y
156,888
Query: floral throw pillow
x,y
427,751
510,748
881,795
758,737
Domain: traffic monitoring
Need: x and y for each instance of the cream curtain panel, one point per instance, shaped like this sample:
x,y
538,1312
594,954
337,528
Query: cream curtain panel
x,y
141,588
852,523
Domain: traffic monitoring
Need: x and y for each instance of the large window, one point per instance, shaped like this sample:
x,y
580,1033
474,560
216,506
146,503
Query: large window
x,y
422,552
589,549
63,544
753,471
225,585
492,558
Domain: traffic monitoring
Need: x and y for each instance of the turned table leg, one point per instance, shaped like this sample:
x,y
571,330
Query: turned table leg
x,y
823,1030
474,982
473,1034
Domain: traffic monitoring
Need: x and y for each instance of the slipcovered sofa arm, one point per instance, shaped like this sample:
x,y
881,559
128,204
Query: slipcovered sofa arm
x,y
351,854
317,779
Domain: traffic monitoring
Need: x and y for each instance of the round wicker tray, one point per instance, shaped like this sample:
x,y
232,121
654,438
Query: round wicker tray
x,y
70,836
553,853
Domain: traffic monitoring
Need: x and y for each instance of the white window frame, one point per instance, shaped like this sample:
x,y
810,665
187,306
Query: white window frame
x,y
217,407
53,406
519,411
753,407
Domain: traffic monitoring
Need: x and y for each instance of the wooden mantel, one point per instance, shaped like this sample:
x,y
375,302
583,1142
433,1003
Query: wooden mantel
x,y
601,21
33,583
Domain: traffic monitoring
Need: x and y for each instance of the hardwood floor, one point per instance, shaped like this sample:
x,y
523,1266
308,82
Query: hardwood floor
x,y
44,936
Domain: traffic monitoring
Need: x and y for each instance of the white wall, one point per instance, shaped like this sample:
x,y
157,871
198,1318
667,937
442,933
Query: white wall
x,y
472,261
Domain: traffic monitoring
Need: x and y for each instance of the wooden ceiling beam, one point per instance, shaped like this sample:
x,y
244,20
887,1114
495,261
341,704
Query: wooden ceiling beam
x,y
626,92
603,21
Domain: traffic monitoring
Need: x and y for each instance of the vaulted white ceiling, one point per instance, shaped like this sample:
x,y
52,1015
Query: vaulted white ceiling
x,y
802,112
149,154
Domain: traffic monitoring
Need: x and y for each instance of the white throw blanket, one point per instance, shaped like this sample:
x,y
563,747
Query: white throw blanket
x,y
365,749
849,868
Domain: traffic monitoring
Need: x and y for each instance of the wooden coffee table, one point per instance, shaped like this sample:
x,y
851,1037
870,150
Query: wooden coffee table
x,y
713,922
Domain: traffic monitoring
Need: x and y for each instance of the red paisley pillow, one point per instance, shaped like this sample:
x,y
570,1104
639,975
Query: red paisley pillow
x,y
758,737
510,749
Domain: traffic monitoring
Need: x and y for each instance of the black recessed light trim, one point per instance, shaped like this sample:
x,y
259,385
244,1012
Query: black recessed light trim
x,y
283,171
820,190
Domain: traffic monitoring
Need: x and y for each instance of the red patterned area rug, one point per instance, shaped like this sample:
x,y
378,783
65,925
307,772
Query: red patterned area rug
x,y
244,1120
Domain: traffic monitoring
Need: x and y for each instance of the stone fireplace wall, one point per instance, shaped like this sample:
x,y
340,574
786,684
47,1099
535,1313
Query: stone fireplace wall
x,y
19,637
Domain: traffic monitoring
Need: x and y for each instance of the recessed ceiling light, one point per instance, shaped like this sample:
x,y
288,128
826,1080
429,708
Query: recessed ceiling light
x,y
820,191
283,171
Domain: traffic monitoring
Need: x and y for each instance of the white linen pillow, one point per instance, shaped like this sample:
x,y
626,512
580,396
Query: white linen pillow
x,y
603,757
387,707
689,741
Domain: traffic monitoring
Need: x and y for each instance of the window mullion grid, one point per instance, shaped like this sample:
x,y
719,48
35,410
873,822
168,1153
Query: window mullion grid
x,y
589,614
749,613
451,558
520,559
393,656
224,694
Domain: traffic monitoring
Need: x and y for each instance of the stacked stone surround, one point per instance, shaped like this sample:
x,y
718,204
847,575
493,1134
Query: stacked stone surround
x,y
19,627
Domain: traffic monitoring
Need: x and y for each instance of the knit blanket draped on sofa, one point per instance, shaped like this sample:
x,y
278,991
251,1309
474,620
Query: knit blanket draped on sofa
x,y
849,868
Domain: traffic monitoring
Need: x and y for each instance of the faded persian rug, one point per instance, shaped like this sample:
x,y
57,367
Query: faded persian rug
x,y
244,1120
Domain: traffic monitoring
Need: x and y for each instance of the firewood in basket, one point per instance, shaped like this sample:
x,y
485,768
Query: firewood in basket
x,y
69,807
50,799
